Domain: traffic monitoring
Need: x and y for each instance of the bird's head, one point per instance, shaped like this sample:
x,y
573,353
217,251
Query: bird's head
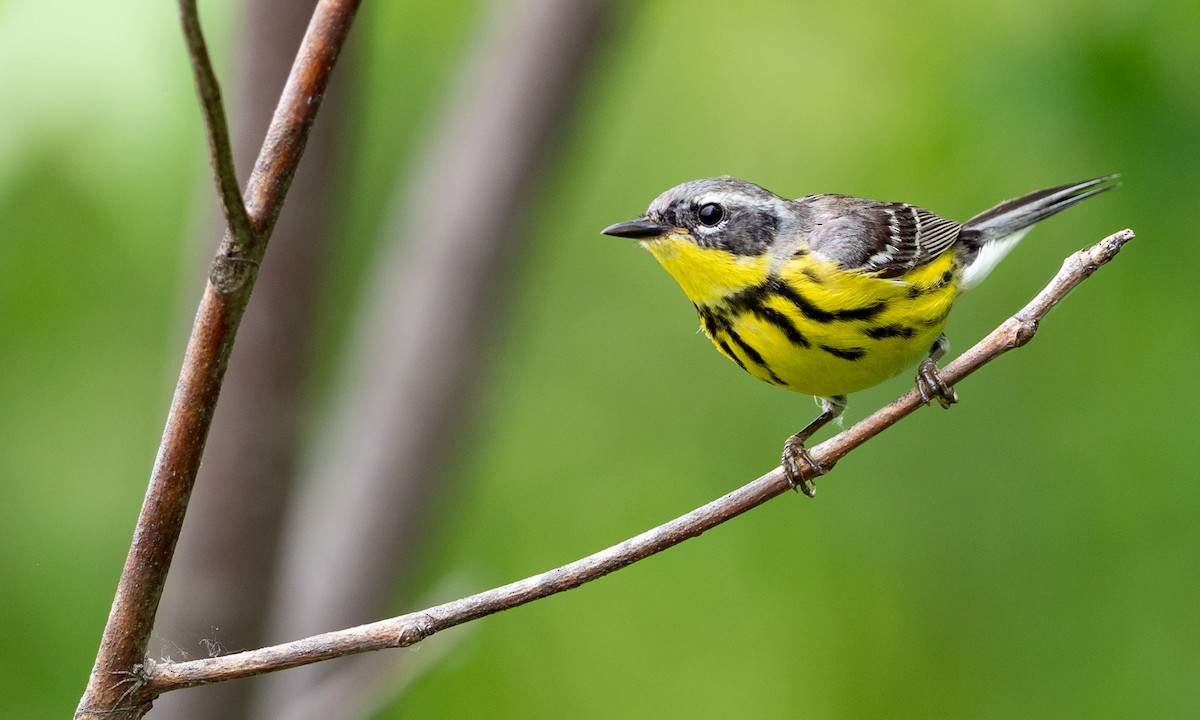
x,y
712,235
719,213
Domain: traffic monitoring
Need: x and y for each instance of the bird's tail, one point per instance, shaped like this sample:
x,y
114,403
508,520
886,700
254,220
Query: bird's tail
x,y
991,234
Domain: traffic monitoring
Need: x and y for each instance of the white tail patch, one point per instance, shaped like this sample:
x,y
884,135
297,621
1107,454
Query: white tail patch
x,y
989,257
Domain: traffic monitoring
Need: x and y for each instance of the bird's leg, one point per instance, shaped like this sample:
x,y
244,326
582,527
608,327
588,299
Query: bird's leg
x,y
798,465
929,381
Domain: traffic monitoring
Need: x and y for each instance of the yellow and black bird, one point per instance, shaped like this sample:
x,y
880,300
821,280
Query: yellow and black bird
x,y
830,294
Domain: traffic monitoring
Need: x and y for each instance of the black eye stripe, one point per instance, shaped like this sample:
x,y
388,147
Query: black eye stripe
x,y
710,214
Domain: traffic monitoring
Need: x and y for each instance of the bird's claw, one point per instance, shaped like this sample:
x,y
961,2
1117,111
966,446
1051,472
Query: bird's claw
x,y
799,467
931,385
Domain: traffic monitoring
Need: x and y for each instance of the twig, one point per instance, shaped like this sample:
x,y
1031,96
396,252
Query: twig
x,y
231,278
409,629
220,151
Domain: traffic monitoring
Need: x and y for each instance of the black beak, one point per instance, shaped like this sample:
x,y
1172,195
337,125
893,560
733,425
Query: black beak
x,y
640,228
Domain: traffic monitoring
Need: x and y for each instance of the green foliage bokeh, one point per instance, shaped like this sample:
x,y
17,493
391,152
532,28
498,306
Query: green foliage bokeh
x,y
1030,553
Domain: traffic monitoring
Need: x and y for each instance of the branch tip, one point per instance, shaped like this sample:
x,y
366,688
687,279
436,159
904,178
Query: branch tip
x,y
1108,248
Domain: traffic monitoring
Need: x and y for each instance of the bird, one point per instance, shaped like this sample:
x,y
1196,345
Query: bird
x,y
829,294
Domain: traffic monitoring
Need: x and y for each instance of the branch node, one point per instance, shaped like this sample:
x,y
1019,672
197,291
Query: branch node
x,y
230,273
136,679
1023,332
422,627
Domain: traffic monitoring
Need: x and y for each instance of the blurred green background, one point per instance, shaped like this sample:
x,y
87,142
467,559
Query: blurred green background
x,y
1034,552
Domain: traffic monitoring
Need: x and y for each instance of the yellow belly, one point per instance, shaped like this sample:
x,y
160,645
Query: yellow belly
x,y
808,325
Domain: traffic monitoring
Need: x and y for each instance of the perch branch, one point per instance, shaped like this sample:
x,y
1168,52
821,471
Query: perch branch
x,y
116,687
409,629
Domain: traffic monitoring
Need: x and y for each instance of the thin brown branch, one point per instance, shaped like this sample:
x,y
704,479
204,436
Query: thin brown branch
x,y
409,629
220,150
114,690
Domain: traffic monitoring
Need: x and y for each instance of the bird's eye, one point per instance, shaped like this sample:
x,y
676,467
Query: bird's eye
x,y
710,214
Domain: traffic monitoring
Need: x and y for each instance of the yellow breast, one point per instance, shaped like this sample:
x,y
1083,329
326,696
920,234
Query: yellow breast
x,y
807,324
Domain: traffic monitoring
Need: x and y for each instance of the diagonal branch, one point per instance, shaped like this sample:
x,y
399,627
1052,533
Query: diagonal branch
x,y
116,687
220,150
410,629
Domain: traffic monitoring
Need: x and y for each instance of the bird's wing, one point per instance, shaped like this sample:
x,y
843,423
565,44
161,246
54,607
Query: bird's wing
x,y
882,238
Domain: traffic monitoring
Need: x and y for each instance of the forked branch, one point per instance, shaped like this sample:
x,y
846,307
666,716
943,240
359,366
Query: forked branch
x,y
117,685
409,629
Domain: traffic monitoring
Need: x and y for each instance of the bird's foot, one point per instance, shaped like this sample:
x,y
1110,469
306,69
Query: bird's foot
x,y
931,385
799,467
